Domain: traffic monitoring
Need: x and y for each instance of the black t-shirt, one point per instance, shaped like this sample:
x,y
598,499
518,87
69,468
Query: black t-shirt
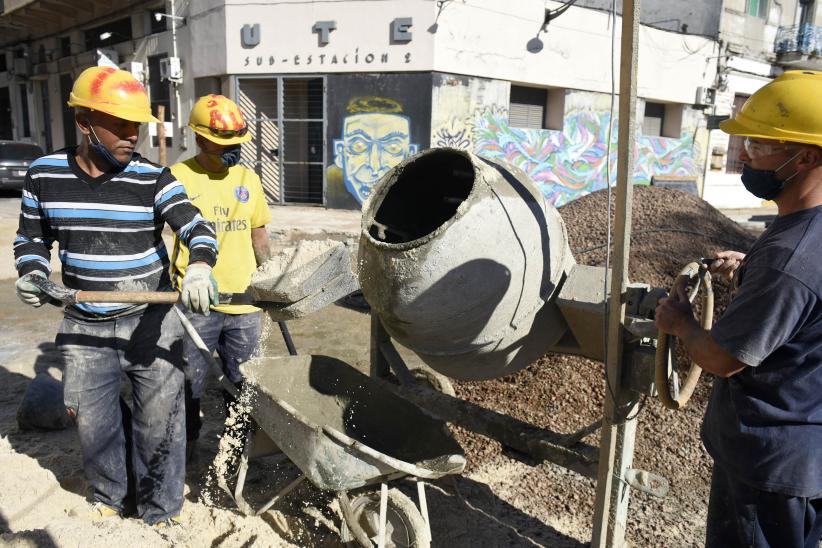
x,y
764,424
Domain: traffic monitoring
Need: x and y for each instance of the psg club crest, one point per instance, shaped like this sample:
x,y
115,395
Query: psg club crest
x,y
241,193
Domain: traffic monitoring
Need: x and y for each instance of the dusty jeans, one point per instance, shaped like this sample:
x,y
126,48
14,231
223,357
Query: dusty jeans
x,y
147,347
235,337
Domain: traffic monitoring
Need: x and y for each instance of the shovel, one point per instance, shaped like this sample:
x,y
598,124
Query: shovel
x,y
64,295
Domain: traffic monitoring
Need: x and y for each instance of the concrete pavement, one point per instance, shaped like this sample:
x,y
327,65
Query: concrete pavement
x,y
290,223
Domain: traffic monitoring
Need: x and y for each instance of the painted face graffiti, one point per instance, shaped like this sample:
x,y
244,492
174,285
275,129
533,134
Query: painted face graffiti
x,y
372,143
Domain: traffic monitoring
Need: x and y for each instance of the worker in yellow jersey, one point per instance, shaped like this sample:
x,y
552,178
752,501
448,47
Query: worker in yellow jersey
x,y
231,197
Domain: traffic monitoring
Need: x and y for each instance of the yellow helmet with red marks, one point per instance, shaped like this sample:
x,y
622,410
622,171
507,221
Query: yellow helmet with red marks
x,y
113,91
218,119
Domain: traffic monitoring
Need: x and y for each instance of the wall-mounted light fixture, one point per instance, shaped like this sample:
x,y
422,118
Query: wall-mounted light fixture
x,y
440,6
159,17
535,44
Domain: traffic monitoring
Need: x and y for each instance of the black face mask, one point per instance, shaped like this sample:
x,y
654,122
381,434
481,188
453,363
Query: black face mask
x,y
228,157
763,183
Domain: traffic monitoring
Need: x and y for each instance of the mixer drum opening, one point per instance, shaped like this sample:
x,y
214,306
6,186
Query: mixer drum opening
x,y
422,196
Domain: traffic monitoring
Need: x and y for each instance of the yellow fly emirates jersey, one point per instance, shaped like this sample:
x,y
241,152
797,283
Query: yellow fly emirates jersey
x,y
235,203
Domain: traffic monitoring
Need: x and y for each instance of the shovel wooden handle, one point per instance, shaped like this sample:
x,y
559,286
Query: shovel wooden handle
x,y
139,297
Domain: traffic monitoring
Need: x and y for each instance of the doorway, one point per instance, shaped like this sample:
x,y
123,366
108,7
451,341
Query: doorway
x,y
286,118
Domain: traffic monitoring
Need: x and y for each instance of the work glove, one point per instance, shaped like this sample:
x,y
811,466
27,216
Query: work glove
x,y
30,293
199,288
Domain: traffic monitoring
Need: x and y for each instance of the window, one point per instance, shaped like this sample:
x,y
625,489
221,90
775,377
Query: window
x,y
24,111
110,33
3,65
653,120
662,120
757,8
69,127
159,94
536,108
156,25
65,46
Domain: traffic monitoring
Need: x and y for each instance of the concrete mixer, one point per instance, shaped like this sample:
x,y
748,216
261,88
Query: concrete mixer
x,y
464,262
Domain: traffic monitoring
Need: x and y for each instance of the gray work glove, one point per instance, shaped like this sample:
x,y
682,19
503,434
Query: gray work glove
x,y
199,288
30,293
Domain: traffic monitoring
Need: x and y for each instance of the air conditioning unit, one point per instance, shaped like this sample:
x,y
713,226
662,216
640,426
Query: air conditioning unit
x,y
705,96
136,70
21,66
171,69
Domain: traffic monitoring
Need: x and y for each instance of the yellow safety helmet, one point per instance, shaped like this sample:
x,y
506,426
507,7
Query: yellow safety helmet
x,y
786,109
113,91
218,119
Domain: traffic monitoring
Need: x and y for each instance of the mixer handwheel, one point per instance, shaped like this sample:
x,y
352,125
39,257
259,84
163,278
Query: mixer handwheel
x,y
701,278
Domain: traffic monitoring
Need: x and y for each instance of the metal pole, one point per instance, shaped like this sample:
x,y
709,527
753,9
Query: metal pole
x,y
617,440
181,140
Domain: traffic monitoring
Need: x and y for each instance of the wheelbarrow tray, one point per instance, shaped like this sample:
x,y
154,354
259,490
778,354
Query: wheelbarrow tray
x,y
341,428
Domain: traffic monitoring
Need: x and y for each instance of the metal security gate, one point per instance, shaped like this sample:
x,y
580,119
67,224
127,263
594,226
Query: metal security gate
x,y
286,117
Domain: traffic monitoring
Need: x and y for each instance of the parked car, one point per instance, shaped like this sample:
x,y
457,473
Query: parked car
x,y
15,158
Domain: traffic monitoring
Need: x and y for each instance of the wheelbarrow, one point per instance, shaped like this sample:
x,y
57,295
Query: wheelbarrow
x,y
345,433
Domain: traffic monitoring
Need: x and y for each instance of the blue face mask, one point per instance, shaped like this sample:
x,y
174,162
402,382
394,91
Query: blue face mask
x,y
231,156
105,153
763,183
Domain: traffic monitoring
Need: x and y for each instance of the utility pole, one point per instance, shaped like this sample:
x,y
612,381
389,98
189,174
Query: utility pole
x,y
618,434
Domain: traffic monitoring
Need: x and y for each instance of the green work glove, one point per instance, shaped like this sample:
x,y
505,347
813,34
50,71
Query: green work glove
x,y
199,288
30,293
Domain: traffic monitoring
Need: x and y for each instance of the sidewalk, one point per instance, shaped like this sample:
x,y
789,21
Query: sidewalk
x,y
756,219
314,223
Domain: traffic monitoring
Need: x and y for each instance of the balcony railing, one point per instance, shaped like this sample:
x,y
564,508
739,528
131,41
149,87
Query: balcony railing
x,y
805,39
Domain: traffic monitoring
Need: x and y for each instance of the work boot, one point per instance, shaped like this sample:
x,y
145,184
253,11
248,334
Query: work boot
x,y
95,512
173,521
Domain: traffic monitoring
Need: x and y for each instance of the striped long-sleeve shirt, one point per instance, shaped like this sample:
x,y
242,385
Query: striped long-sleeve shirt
x,y
108,228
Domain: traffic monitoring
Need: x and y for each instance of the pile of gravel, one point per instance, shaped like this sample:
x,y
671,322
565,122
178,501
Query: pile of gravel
x,y
565,393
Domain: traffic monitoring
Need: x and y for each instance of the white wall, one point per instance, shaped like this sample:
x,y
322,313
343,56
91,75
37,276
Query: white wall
x,y
487,38
363,30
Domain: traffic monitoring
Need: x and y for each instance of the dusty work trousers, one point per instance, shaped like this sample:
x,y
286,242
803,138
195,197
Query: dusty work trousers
x,y
742,516
147,347
235,337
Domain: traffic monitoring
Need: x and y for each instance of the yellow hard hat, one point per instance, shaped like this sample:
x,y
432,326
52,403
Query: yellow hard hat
x,y
786,109
113,91
218,119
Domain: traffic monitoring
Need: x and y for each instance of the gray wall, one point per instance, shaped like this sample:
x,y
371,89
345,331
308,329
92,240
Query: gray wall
x,y
700,16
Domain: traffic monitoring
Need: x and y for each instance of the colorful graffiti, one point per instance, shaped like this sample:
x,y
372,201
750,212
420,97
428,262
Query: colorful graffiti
x,y
571,163
376,136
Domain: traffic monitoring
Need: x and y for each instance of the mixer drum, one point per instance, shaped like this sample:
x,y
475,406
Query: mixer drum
x,y
458,257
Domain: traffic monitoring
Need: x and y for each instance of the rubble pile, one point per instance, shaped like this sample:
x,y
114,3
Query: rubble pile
x,y
565,393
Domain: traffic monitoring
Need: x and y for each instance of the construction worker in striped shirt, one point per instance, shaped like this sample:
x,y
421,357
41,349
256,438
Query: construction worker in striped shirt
x,y
105,206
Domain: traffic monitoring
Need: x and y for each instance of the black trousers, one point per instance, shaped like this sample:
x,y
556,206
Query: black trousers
x,y
742,516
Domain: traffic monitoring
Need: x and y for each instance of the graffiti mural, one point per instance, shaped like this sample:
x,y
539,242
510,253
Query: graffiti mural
x,y
456,134
571,163
376,136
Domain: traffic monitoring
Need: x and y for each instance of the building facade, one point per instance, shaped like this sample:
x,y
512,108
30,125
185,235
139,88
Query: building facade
x,y
759,40
337,93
